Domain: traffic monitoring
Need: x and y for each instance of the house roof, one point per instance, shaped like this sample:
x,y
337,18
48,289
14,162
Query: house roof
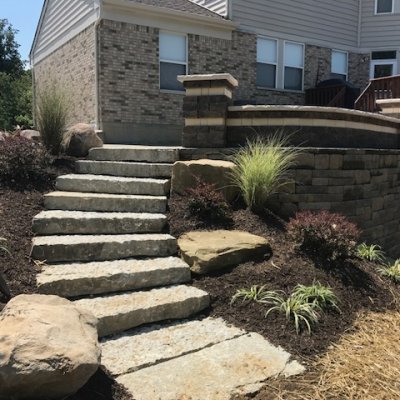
x,y
180,5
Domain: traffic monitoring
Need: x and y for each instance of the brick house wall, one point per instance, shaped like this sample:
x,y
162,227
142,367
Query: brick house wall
x,y
72,68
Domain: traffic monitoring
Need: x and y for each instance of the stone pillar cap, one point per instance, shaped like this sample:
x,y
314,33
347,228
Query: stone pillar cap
x,y
208,77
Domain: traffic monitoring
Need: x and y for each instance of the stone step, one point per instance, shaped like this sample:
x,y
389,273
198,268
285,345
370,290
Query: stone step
x,y
71,280
58,222
78,201
111,184
117,152
54,249
224,371
121,312
143,347
120,168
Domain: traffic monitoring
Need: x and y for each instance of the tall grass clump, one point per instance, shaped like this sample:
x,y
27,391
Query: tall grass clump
x,y
52,113
262,169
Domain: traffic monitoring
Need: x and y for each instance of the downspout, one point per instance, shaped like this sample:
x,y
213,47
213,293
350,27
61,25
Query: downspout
x,y
359,23
229,9
33,93
97,66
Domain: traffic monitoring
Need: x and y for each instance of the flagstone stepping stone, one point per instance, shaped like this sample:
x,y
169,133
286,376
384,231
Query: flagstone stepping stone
x,y
207,252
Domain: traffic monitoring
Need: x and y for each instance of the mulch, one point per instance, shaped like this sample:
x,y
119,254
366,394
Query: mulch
x,y
355,283
18,205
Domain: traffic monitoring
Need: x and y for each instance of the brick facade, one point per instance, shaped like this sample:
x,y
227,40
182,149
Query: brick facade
x,y
72,68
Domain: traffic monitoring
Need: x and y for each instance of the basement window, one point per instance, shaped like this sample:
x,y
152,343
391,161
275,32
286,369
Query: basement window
x,y
339,65
267,60
383,6
173,60
294,66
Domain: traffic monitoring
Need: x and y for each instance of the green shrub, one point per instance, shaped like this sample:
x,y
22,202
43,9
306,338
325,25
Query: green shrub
x,y
327,234
207,203
391,271
371,253
23,161
262,169
52,113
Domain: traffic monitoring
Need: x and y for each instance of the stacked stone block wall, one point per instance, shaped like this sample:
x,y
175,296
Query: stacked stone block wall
x,y
72,68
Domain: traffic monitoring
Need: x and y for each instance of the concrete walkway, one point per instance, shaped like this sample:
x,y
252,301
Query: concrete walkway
x,y
103,238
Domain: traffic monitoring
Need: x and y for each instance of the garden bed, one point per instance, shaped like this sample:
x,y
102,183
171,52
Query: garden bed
x,y
355,282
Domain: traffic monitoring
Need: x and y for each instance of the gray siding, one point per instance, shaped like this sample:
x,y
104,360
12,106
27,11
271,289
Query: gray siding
x,y
322,22
218,6
380,31
61,20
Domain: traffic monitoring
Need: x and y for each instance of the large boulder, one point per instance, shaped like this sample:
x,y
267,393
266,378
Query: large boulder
x,y
48,348
79,139
186,173
207,252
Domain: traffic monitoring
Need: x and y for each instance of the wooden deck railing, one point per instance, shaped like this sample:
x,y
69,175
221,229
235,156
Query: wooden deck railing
x,y
328,96
379,88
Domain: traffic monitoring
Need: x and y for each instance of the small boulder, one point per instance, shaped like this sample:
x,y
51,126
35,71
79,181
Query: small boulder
x,y
207,252
79,139
30,134
3,135
48,348
216,172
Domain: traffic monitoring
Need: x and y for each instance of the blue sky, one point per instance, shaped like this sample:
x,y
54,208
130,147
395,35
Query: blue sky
x,y
24,16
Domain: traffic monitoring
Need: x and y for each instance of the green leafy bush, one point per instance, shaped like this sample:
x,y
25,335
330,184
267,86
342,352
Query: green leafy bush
x,y
207,203
391,271
23,161
262,169
327,234
52,114
371,253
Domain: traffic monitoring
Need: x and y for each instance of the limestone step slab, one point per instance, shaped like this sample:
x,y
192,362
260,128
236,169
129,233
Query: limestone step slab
x,y
117,152
60,222
234,367
121,312
122,168
78,201
111,184
71,280
57,249
143,347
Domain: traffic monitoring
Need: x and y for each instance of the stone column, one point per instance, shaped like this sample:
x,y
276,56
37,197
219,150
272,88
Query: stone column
x,y
205,108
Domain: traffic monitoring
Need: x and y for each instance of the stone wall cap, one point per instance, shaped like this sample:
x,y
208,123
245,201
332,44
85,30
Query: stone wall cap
x,y
388,101
208,77
334,110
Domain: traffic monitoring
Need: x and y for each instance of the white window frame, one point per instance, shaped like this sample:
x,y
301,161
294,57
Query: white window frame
x,y
269,63
383,13
284,66
392,62
347,62
164,60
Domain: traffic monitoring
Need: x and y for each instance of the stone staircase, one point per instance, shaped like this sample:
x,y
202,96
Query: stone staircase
x,y
102,239
104,245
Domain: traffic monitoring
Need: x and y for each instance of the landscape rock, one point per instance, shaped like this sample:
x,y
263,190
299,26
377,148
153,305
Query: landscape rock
x,y
79,139
48,348
3,135
207,252
217,172
30,134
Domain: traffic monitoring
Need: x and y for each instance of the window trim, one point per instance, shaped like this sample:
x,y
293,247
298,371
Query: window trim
x,y
347,62
160,60
284,66
373,63
383,13
269,63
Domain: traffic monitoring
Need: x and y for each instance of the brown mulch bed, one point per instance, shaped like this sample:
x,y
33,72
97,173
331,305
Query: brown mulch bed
x,y
355,283
18,205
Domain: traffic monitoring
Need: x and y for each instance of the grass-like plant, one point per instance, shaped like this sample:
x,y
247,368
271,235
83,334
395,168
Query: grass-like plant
x,y
391,271
255,293
322,296
372,252
296,309
262,169
52,114
3,246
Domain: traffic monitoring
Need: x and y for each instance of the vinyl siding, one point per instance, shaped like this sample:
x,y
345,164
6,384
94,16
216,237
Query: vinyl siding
x,y
218,6
321,22
380,31
61,21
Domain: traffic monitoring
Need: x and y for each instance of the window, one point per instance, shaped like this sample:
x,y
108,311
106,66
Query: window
x,y
339,65
383,6
173,60
293,66
383,63
267,59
